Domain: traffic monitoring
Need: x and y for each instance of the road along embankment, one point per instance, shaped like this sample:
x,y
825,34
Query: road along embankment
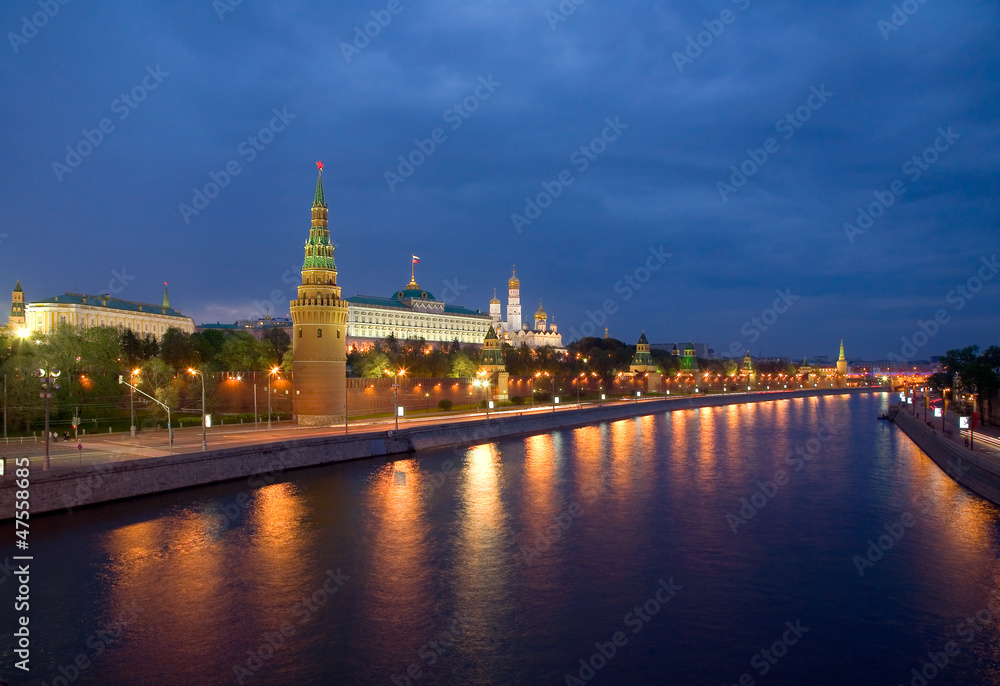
x,y
65,489
975,470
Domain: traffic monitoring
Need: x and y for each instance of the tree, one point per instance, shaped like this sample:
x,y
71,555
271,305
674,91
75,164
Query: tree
x,y
23,386
243,353
373,364
463,365
276,341
177,349
208,345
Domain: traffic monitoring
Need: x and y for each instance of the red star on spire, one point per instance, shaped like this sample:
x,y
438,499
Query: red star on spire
x,y
319,165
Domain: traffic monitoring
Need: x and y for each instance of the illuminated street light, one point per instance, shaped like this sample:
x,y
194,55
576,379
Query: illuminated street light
x,y
204,442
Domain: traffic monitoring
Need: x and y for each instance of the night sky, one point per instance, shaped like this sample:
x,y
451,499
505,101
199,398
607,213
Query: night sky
x,y
512,95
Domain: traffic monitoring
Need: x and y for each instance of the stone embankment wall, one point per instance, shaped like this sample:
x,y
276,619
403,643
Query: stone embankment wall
x,y
974,470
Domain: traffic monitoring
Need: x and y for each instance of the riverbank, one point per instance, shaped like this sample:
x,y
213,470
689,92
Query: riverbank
x,y
975,470
66,489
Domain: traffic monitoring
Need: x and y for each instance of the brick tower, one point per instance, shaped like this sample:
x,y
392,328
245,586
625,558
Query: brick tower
x,y
319,328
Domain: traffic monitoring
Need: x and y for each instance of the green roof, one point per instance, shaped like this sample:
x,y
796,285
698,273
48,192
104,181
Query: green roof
x,y
397,302
17,287
319,200
643,339
108,302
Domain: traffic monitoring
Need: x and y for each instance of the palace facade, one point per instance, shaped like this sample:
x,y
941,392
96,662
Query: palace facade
x,y
88,311
412,312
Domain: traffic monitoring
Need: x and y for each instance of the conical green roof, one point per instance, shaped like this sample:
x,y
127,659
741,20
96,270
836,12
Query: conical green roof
x,y
643,339
319,200
17,287
491,335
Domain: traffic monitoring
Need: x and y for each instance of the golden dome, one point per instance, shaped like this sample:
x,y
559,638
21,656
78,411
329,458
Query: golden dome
x,y
540,313
513,283
496,300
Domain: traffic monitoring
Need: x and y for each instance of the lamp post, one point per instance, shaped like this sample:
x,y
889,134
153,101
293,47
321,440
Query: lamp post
x,y
270,382
131,402
395,393
204,442
48,383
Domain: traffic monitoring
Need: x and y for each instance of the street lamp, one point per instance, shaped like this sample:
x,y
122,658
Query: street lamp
x,y
395,392
48,384
204,443
131,401
270,381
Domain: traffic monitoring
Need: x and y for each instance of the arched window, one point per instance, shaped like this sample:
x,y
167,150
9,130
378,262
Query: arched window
x,y
319,333
300,332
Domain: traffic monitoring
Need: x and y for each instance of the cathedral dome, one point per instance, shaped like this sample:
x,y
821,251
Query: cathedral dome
x,y
514,282
540,313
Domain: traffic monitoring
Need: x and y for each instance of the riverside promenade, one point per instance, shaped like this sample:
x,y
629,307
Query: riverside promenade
x,y
977,467
261,457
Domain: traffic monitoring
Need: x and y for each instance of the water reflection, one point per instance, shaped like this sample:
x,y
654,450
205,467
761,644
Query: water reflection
x,y
422,550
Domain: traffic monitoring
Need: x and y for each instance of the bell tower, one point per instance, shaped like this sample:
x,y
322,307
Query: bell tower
x,y
17,320
319,328
514,303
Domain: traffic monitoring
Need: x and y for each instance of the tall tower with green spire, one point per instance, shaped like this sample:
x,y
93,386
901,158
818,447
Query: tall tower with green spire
x,y
319,327
842,361
17,319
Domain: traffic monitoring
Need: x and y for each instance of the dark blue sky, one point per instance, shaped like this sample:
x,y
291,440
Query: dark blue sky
x,y
209,84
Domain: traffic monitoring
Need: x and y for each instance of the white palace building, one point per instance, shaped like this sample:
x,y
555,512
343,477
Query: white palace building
x,y
87,311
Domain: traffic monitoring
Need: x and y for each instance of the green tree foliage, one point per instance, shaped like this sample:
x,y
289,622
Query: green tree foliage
x,y
137,349
605,356
276,342
373,364
23,386
178,350
241,352
463,365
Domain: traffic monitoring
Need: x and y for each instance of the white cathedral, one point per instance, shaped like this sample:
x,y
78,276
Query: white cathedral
x,y
512,331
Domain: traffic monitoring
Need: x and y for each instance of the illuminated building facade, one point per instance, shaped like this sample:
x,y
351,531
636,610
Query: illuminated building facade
x,y
87,311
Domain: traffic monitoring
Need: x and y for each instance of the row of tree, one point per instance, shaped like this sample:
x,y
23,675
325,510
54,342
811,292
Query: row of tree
x,y
969,371
91,360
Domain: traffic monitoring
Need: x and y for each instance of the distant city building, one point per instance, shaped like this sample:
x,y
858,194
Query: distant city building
x,y
88,311
265,323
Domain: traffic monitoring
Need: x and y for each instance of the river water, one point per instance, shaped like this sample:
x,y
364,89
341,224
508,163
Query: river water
x,y
787,542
